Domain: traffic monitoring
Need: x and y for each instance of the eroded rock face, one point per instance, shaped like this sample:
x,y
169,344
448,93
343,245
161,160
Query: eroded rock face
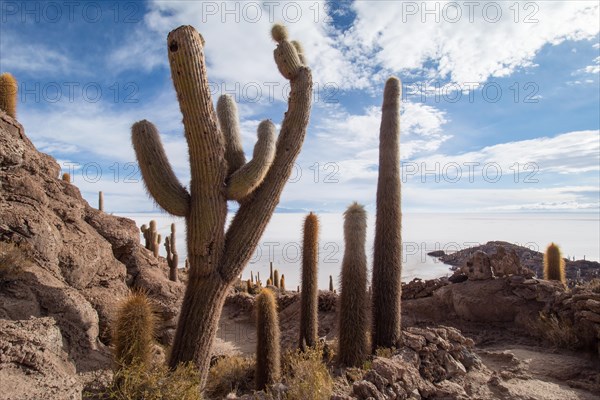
x,y
81,260
505,263
33,363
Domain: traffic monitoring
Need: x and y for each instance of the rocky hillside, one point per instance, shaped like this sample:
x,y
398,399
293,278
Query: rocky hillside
x,y
578,270
75,264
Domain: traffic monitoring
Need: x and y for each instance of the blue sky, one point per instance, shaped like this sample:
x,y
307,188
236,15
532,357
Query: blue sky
x,y
501,106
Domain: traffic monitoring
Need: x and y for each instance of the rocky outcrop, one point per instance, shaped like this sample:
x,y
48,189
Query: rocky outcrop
x,y
577,270
430,365
77,261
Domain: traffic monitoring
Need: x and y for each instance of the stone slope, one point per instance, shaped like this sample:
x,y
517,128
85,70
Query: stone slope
x,y
81,260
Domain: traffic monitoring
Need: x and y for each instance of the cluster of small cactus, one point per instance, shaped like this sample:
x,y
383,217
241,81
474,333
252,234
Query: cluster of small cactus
x,y
309,299
152,238
554,264
172,256
8,94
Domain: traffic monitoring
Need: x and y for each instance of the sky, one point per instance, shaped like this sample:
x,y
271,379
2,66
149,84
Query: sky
x,y
500,111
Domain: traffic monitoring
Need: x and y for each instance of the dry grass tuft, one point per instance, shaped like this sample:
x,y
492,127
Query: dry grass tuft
x,y
230,374
306,375
557,331
157,383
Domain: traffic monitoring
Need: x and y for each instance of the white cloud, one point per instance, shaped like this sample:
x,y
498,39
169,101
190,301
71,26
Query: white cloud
x,y
403,38
32,57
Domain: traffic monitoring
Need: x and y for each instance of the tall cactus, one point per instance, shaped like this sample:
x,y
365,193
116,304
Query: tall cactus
x,y
353,318
554,264
309,300
387,256
268,368
282,283
217,256
133,333
8,94
172,256
331,287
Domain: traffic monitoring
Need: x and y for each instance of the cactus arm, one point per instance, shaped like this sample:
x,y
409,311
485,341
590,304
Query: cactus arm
x,y
250,175
208,167
158,176
254,214
230,127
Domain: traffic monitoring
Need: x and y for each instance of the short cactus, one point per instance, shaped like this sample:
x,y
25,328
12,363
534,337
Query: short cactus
x,y
269,282
353,318
66,177
151,237
100,201
276,278
268,368
133,333
172,256
248,286
282,283
387,255
554,264
8,94
310,290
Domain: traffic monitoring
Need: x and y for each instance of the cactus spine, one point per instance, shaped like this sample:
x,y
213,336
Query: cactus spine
x,y
268,370
554,264
172,256
387,257
217,256
133,332
66,177
310,291
100,201
8,94
353,318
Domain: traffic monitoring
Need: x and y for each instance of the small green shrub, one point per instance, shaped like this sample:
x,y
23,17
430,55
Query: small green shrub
x,y
230,374
306,376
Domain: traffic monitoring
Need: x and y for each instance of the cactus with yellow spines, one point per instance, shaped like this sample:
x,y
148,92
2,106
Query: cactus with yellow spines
x,y
387,255
268,360
353,318
309,299
66,177
282,283
172,256
554,264
217,256
133,332
8,94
